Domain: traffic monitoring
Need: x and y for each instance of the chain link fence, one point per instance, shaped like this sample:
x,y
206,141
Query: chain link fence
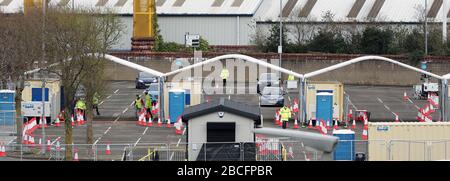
x,y
262,150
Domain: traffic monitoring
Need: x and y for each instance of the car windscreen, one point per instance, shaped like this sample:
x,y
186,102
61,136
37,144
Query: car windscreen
x,y
271,91
145,75
153,87
271,76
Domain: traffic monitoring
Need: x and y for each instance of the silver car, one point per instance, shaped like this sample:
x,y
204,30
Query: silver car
x,y
272,96
268,80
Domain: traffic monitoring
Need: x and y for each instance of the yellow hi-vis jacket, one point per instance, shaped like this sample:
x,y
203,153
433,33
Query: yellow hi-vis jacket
x,y
148,101
138,103
285,113
80,105
224,74
291,77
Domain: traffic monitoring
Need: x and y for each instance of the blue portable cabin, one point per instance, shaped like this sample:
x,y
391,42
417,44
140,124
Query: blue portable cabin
x,y
324,105
345,149
7,107
177,101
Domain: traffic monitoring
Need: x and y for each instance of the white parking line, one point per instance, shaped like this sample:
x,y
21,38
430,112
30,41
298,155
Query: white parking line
x,y
145,131
101,103
108,97
116,119
171,156
115,92
126,109
107,130
387,107
98,139
137,141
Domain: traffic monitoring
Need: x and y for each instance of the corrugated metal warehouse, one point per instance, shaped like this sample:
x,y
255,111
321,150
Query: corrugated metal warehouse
x,y
232,22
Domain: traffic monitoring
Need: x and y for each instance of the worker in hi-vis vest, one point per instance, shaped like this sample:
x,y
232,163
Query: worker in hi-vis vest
x,y
224,75
138,104
148,104
291,77
95,100
285,113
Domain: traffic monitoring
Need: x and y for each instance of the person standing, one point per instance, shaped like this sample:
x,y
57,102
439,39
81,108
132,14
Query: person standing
x,y
148,104
95,103
224,75
138,104
285,113
81,106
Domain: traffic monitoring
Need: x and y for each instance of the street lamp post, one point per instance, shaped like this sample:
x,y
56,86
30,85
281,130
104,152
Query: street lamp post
x,y
280,48
426,28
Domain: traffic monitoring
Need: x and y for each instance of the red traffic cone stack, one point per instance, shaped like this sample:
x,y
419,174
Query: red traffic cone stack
x,y
405,96
2,150
108,150
310,125
178,126
168,124
335,124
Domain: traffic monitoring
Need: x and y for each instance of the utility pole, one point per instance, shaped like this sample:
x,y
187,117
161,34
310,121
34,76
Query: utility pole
x,y
444,22
426,27
280,48
44,4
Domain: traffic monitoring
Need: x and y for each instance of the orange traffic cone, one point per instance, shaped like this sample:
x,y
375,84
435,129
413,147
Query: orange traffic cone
x,y
350,114
328,125
277,118
159,122
73,121
58,146
75,157
48,146
354,124
108,150
168,124
295,123
365,132
150,122
317,123
40,144
405,96
335,124
57,123
178,126
310,125
2,150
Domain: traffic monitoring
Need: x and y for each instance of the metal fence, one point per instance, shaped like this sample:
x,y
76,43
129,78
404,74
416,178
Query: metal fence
x,y
262,150
425,150
7,122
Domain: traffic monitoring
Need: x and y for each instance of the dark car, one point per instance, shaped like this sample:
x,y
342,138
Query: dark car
x,y
144,80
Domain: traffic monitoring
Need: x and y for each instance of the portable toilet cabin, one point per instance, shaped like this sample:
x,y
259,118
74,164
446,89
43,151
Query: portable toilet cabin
x,y
324,106
177,101
345,149
7,107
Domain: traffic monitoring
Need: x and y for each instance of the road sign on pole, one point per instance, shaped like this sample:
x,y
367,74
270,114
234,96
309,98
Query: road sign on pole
x,y
192,40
